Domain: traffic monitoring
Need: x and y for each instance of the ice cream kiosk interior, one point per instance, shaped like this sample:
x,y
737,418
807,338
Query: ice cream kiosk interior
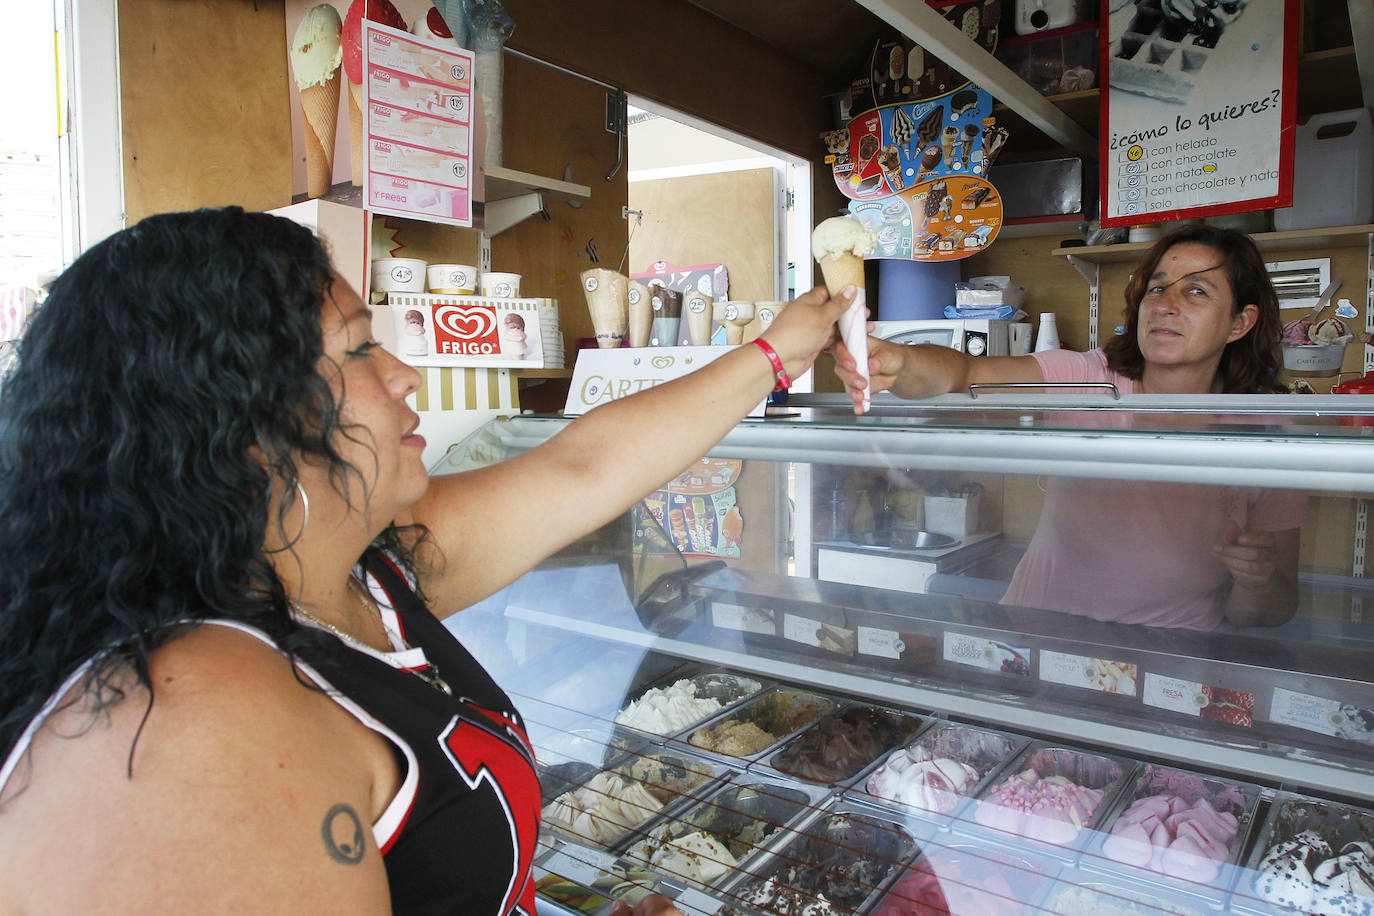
x,y
726,706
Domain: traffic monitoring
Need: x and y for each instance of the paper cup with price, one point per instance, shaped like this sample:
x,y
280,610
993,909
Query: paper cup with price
x,y
839,245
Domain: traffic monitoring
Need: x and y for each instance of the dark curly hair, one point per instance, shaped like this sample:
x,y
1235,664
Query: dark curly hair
x,y
155,406
1248,365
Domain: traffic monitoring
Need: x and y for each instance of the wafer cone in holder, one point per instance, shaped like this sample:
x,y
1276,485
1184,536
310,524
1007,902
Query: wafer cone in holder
x,y
840,271
355,131
320,112
608,301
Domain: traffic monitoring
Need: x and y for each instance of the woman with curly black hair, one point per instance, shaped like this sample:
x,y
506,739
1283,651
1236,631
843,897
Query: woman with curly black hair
x,y
1201,317
220,688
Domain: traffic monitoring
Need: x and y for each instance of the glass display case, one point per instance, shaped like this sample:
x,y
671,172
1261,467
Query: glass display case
x,y
980,654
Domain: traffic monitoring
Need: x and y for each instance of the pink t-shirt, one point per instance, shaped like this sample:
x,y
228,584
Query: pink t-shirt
x,y
1137,551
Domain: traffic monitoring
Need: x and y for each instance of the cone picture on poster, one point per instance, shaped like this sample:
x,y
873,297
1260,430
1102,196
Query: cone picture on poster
x,y
316,54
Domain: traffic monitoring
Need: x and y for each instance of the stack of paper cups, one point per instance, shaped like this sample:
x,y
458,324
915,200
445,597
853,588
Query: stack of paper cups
x,y
551,334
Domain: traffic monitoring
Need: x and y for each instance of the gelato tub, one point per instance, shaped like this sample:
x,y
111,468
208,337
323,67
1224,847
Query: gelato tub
x,y
1177,826
614,802
944,765
1051,794
1078,893
1312,856
837,863
761,724
840,745
672,707
962,879
707,843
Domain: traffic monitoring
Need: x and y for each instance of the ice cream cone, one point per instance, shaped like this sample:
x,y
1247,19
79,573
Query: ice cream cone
x,y
839,244
842,269
320,110
607,300
355,131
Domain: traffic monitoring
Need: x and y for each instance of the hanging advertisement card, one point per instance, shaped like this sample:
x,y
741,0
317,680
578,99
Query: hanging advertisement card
x,y
1199,106
417,141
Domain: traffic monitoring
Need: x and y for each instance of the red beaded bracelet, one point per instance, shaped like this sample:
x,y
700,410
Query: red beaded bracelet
x,y
783,381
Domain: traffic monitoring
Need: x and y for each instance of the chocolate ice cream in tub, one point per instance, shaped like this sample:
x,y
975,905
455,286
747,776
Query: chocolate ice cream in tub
x,y
845,856
753,729
1176,828
680,702
740,819
948,764
624,799
1313,854
843,744
1049,798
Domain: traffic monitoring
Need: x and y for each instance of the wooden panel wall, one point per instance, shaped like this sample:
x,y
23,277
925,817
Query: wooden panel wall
x,y
724,218
205,108
554,125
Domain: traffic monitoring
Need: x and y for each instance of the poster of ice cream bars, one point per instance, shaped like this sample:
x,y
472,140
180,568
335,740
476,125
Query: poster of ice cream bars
x,y
452,331
382,100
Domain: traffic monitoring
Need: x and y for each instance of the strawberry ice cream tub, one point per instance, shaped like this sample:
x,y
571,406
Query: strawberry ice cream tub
x,y
1178,828
1050,798
947,765
964,879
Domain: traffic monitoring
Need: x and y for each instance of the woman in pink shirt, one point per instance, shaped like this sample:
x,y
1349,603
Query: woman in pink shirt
x,y
1201,318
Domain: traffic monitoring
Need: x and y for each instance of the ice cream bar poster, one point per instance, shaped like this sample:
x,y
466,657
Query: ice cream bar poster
x,y
1199,106
404,103
697,511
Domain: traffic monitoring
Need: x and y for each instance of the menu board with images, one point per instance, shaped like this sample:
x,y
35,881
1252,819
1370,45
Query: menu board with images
x,y
417,156
1198,108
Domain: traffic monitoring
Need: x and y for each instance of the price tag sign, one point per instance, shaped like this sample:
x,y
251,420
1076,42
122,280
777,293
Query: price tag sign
x,y
987,654
695,901
881,643
581,866
1173,694
1088,673
801,629
744,619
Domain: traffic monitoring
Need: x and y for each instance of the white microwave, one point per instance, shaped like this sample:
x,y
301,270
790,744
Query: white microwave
x,y
974,336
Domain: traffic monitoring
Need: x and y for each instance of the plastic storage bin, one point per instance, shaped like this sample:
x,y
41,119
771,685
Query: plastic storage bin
x,y
1333,173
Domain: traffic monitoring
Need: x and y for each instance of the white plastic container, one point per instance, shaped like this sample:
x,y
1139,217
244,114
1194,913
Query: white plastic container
x,y
1333,173
500,285
399,275
454,279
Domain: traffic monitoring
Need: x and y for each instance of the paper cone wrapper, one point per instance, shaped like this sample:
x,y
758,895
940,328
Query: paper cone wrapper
x,y
839,272
608,301
320,111
355,131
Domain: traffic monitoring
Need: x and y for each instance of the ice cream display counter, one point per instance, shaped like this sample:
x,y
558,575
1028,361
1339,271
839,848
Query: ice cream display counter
x,y
1082,704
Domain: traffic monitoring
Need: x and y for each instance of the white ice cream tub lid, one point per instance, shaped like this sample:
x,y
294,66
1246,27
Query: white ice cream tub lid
x,y
399,275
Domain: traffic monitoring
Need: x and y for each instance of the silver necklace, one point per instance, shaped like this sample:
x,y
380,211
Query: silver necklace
x,y
429,673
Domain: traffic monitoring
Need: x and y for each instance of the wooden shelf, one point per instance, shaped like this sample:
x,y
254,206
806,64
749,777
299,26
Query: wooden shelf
x,y
503,183
1332,237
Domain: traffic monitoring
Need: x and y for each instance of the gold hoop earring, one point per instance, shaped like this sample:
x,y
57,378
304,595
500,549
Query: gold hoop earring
x,y
305,522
